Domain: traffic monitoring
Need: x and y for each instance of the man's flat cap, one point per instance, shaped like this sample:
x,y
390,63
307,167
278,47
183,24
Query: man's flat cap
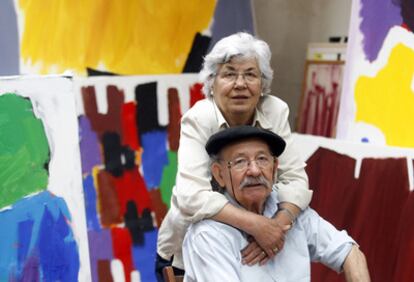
x,y
231,135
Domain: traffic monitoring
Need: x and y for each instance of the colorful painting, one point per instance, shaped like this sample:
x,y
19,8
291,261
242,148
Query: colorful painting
x,y
43,235
377,104
129,134
320,98
364,189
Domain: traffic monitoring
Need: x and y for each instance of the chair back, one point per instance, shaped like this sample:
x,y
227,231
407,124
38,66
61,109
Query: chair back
x,y
169,275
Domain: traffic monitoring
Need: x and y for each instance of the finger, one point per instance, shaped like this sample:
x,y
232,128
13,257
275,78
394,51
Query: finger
x,y
249,248
257,259
264,261
254,256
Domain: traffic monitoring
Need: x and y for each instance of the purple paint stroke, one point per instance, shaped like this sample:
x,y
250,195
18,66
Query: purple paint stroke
x,y
31,271
100,248
89,146
58,252
144,256
90,204
154,157
378,16
228,20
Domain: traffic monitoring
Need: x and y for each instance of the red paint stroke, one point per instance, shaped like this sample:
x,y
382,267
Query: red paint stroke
x,y
131,187
109,208
104,271
196,94
129,129
366,207
160,208
122,246
320,106
174,111
109,122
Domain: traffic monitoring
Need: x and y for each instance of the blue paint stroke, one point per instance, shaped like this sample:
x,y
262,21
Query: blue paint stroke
x,y
58,252
48,214
144,256
154,157
24,235
90,204
89,146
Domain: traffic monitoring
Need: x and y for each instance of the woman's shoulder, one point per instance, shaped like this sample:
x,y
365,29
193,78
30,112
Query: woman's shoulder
x,y
202,110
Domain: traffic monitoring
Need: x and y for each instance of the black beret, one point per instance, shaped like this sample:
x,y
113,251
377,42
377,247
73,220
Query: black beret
x,y
231,135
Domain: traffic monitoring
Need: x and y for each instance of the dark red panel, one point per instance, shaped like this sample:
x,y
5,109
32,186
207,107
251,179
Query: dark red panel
x,y
174,111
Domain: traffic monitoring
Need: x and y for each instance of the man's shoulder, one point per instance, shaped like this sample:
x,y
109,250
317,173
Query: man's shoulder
x,y
209,227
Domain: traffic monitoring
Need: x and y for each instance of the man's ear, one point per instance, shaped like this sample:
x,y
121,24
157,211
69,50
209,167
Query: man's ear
x,y
216,172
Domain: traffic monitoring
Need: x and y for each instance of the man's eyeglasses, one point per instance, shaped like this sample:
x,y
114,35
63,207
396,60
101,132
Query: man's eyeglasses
x,y
241,164
232,76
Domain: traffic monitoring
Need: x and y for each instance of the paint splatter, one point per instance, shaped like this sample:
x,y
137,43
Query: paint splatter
x,y
168,178
89,145
24,150
386,104
96,240
407,13
46,247
174,113
122,249
378,16
144,256
109,122
127,37
154,157
196,94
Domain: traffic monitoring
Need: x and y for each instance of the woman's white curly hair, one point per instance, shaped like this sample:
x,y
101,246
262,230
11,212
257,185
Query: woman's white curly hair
x,y
242,45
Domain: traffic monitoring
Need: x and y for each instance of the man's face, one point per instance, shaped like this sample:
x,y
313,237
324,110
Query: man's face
x,y
251,172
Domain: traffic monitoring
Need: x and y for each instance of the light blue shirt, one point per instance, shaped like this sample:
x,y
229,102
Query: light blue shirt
x,y
211,250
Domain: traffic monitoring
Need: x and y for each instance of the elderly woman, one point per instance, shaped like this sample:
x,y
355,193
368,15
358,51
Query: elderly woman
x,y
237,78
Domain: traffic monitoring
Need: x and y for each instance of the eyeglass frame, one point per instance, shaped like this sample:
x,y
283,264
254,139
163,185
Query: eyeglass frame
x,y
231,165
236,75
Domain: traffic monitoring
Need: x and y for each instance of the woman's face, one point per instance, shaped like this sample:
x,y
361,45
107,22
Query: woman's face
x,y
237,88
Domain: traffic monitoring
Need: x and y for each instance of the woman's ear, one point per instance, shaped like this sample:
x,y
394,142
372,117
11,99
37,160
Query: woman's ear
x,y
216,172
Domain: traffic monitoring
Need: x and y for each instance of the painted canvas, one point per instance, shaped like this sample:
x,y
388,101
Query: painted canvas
x,y
377,104
43,235
124,37
129,134
367,190
320,98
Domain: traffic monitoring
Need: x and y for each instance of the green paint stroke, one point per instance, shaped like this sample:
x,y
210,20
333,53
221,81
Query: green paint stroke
x,y
168,178
24,150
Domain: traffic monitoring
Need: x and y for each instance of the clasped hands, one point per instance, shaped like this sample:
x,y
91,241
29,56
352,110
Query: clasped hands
x,y
267,240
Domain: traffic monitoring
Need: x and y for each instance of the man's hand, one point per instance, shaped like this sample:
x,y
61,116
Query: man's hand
x,y
269,238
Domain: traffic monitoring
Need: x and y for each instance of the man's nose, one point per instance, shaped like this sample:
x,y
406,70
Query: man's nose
x,y
253,169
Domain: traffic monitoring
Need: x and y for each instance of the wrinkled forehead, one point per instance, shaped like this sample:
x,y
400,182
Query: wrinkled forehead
x,y
247,147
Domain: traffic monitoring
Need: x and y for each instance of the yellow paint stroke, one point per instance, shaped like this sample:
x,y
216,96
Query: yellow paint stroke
x,y
387,101
125,36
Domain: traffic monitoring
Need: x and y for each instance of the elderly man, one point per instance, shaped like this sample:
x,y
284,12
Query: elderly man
x,y
244,162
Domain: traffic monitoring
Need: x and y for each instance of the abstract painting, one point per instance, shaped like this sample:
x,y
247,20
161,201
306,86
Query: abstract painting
x,y
320,98
129,136
367,190
377,104
43,235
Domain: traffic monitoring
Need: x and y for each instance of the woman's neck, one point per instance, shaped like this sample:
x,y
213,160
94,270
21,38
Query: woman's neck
x,y
236,120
